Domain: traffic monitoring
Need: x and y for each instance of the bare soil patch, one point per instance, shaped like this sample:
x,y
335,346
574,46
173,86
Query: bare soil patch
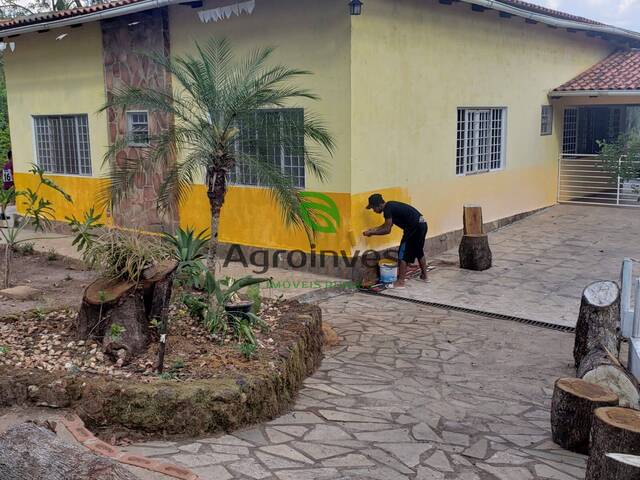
x,y
60,280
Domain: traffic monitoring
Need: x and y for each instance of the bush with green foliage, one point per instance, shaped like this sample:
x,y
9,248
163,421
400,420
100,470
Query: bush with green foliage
x,y
125,254
211,307
621,158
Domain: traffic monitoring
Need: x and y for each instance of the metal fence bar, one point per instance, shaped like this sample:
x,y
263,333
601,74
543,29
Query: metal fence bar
x,y
626,312
582,180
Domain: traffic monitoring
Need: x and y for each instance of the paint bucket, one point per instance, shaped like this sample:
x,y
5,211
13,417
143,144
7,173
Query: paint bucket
x,y
388,271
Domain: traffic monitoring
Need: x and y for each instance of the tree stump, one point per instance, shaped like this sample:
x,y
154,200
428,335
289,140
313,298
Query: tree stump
x,y
615,430
30,452
600,367
119,313
475,253
598,321
572,407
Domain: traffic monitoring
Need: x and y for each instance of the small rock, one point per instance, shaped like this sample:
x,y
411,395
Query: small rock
x,y
21,293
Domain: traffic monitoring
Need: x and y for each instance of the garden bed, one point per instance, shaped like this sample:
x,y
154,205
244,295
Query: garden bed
x,y
208,384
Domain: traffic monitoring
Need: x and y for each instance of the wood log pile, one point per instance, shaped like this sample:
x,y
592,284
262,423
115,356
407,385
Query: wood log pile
x,y
597,413
597,343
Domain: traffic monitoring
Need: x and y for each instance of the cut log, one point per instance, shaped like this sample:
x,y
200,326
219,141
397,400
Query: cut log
x,y
601,368
30,452
475,253
627,466
572,407
472,220
599,320
615,430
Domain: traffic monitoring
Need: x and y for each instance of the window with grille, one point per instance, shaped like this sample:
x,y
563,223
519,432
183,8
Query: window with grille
x,y
62,144
275,136
546,122
137,129
480,140
570,137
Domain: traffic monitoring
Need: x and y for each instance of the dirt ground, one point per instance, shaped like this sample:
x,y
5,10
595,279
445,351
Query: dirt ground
x,y
61,281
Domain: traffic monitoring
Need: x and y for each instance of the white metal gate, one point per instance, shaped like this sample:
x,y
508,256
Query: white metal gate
x,y
581,179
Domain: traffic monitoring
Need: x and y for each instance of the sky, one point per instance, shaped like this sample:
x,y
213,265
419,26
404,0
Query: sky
x,y
621,13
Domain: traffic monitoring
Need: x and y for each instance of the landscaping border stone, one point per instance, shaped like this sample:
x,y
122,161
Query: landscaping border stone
x,y
170,408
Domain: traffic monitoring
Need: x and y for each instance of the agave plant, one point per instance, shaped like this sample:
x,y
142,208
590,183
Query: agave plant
x,y
214,100
188,248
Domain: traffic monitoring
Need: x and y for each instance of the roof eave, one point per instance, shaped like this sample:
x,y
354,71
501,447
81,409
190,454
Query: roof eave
x,y
150,4
88,17
556,22
594,93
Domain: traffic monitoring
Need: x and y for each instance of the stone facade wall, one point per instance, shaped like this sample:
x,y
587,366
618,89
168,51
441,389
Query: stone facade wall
x,y
124,40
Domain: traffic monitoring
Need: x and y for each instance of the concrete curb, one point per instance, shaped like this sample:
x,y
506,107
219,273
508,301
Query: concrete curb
x,y
76,428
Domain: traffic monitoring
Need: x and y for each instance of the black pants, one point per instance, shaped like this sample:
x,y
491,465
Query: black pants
x,y
412,244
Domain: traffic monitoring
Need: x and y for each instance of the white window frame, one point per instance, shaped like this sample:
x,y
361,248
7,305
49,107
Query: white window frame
x,y
546,120
286,161
43,147
481,140
130,142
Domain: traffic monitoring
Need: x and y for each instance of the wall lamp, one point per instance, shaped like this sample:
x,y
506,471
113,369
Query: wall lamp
x,y
355,7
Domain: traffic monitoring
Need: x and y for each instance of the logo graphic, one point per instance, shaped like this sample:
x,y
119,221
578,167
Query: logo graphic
x,y
319,212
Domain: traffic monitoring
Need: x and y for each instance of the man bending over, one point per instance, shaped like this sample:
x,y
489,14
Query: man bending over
x,y
412,224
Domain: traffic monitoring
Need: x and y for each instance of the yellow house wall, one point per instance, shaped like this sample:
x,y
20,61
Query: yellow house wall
x,y
414,62
46,76
311,35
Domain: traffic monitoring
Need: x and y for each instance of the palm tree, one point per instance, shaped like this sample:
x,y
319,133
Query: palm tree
x,y
218,103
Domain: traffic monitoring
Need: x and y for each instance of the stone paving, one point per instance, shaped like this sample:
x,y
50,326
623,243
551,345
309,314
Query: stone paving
x,y
541,264
412,393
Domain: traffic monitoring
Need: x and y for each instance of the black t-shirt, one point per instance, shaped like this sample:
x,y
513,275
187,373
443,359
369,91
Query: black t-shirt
x,y
404,216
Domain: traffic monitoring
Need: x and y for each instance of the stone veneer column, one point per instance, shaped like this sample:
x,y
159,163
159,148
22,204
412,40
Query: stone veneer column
x,y
123,40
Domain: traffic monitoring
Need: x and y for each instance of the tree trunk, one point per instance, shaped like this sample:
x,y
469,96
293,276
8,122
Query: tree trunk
x,y
615,430
572,407
126,333
475,253
217,190
601,368
30,452
598,321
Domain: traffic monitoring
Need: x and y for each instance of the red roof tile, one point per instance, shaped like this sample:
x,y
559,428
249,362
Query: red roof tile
x,y
59,15
619,71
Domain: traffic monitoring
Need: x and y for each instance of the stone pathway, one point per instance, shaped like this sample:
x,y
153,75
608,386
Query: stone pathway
x,y
413,393
541,264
